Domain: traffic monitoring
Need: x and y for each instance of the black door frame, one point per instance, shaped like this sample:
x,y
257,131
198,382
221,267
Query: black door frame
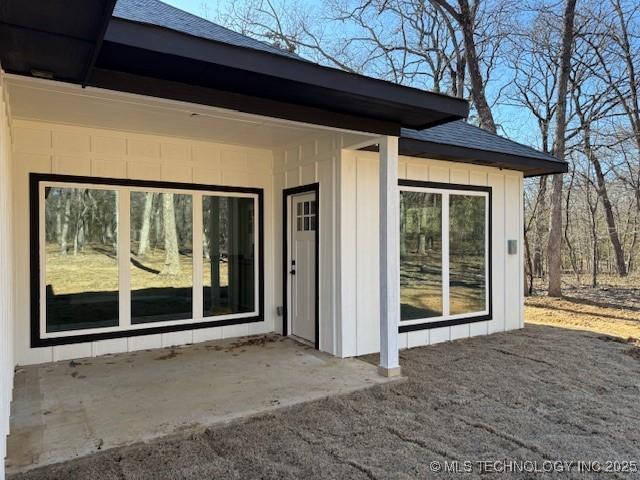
x,y
286,219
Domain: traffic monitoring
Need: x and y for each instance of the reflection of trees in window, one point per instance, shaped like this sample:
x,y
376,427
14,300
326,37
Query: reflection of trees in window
x,y
421,263
421,255
162,222
80,217
467,253
80,263
161,256
229,254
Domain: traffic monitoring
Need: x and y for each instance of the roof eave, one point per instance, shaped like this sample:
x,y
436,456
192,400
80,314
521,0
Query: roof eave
x,y
425,108
529,166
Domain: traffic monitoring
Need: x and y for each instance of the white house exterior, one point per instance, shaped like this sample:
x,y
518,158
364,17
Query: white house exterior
x,y
57,135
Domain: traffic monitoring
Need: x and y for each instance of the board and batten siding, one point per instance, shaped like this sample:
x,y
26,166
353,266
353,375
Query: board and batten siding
x,y
359,249
73,150
7,304
313,159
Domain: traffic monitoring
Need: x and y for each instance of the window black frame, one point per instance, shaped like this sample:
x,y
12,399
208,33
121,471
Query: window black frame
x,y
34,245
470,319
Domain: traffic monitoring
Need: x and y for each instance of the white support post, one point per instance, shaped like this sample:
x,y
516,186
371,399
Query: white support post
x,y
389,257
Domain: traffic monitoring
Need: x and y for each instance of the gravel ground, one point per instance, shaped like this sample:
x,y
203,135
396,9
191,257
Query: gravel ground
x,y
542,393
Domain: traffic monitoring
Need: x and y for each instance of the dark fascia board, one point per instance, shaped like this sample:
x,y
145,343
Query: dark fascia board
x,y
43,35
106,18
531,167
126,82
160,39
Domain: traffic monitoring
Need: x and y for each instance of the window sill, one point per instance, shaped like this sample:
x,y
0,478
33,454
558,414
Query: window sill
x,y
443,323
50,342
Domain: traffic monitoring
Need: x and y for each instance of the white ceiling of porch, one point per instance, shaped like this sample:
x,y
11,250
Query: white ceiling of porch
x,y
33,99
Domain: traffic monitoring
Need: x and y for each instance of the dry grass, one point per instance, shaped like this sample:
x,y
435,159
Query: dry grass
x,y
541,393
421,285
92,270
608,310
88,271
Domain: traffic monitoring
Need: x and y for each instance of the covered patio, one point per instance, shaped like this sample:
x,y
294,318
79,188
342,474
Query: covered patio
x,y
67,409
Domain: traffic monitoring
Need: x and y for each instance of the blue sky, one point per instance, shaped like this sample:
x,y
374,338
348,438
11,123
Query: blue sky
x,y
515,122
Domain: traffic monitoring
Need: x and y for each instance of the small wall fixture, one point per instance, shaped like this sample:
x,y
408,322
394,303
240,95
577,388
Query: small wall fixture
x,y
42,74
512,247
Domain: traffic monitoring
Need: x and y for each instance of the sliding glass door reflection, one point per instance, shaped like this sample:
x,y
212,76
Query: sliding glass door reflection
x,y
161,257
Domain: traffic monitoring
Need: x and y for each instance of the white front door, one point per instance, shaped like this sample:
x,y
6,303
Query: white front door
x,y
302,266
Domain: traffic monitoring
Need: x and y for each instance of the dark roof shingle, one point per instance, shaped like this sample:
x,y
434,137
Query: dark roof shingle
x,y
465,135
155,12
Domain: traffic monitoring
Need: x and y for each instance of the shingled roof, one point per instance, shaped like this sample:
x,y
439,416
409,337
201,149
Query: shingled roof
x,y
463,142
455,141
155,12
463,134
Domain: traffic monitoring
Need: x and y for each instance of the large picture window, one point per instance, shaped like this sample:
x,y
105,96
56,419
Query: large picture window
x,y
444,254
113,258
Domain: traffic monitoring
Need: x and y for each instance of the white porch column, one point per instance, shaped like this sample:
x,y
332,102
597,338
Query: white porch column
x,y
389,257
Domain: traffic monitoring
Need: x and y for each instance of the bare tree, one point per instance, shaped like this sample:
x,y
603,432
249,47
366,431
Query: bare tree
x,y
143,244
172,255
573,71
588,111
465,16
66,218
554,251
533,56
410,42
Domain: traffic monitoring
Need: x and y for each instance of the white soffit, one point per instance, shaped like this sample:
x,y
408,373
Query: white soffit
x,y
56,102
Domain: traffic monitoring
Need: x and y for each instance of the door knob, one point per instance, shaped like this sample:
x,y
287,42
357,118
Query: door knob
x,y
292,272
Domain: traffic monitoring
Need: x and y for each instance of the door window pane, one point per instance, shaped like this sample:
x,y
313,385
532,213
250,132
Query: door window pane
x,y
467,237
161,257
229,255
81,258
420,255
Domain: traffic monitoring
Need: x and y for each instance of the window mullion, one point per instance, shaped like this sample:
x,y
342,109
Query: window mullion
x,y
197,225
445,255
124,252
42,256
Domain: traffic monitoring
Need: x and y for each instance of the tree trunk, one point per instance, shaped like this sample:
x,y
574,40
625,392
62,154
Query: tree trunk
x,y
608,213
59,214
80,221
467,23
594,236
528,274
554,251
541,228
422,244
172,256
143,244
65,224
214,251
466,19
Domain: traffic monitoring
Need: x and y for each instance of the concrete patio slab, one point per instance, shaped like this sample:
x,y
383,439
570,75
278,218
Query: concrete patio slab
x,y
65,410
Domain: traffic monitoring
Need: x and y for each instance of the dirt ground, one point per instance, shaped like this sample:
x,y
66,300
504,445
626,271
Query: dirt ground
x,y
608,309
545,393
